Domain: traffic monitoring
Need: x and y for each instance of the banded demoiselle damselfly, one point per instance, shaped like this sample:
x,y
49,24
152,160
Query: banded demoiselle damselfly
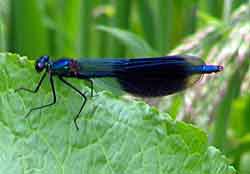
x,y
145,77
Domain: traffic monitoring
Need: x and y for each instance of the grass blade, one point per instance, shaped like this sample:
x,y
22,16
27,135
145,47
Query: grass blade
x,y
136,45
121,20
223,111
147,21
2,37
29,36
86,25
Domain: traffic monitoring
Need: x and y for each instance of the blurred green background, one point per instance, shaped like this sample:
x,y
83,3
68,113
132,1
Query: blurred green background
x,y
217,31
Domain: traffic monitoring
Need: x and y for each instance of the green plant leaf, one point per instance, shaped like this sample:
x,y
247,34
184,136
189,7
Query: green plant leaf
x,y
115,136
136,45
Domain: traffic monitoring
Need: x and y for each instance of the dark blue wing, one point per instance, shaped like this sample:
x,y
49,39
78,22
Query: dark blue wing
x,y
109,67
148,77
159,76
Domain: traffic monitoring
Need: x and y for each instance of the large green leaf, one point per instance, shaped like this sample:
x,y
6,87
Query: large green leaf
x,y
115,136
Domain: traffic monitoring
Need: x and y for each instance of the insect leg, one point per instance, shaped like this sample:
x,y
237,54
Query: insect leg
x,y
79,92
91,86
47,105
37,87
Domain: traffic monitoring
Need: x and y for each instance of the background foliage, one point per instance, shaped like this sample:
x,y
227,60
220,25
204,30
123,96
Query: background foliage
x,y
218,31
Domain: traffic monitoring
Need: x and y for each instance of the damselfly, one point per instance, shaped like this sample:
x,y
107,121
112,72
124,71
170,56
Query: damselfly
x,y
145,77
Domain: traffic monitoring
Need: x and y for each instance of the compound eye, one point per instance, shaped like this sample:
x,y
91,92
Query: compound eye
x,y
39,66
41,63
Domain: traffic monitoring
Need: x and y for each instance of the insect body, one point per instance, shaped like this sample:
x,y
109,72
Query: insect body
x,y
145,77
